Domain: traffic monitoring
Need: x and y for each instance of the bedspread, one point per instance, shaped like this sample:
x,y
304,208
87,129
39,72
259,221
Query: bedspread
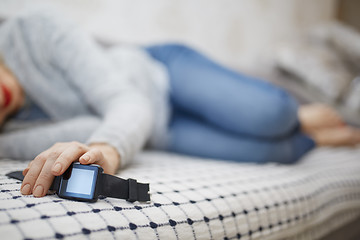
x,y
196,198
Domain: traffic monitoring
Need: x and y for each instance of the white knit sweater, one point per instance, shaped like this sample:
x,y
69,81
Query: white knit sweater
x,y
117,96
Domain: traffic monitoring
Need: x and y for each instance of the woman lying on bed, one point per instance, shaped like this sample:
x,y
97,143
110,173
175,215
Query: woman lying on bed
x,y
71,100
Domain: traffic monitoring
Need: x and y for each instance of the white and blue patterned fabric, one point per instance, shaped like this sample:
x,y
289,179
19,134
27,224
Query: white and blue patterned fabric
x,y
198,199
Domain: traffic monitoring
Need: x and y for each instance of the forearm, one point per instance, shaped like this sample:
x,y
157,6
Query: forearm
x,y
126,126
28,143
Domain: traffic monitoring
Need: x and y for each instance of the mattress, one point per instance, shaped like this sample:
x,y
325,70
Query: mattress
x,y
193,198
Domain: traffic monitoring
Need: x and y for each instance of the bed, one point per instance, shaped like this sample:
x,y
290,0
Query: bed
x,y
194,198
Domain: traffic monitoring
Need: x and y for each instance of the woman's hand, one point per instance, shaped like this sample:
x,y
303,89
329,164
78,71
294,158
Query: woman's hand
x,y
40,172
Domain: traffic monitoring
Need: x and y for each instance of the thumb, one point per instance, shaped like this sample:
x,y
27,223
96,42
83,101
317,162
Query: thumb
x,y
92,156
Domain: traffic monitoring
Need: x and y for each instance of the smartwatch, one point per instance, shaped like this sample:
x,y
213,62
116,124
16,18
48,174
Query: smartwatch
x,y
87,182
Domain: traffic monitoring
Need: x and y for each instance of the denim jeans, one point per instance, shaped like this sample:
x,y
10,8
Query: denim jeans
x,y
219,113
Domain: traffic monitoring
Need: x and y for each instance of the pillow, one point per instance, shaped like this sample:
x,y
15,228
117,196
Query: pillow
x,y
316,65
342,38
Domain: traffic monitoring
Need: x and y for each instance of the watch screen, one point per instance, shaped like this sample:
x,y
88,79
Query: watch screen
x,y
78,182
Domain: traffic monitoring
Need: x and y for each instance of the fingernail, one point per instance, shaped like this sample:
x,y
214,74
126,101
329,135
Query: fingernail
x,y
38,191
57,167
25,171
25,189
86,158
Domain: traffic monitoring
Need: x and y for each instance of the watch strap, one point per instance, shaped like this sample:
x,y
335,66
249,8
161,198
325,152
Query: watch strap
x,y
130,189
19,176
110,186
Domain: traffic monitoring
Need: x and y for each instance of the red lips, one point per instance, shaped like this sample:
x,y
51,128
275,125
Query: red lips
x,y
7,96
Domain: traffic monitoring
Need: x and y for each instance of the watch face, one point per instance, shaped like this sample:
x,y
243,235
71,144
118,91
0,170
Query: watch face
x,y
79,182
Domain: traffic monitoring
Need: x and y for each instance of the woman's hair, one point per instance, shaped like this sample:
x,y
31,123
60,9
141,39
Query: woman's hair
x,y
3,64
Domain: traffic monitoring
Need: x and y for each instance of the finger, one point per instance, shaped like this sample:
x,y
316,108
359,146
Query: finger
x,y
27,168
44,180
30,163
25,171
35,167
70,155
94,155
32,174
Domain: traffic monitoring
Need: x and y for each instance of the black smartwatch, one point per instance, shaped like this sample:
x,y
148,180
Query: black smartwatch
x,y
87,182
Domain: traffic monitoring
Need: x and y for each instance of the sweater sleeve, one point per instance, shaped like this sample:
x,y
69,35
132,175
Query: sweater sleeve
x,y
126,114
27,143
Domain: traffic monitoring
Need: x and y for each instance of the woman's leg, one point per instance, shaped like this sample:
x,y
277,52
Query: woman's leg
x,y
229,100
192,136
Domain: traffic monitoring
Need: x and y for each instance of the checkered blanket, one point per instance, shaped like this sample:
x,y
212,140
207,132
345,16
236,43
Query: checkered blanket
x,y
198,199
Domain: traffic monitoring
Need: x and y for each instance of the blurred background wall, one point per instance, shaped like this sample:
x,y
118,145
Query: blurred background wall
x,y
349,12
235,32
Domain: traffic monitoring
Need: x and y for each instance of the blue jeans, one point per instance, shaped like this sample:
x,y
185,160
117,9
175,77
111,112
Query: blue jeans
x,y
222,114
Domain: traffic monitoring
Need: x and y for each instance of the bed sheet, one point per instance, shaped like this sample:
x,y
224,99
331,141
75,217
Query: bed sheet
x,y
196,198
